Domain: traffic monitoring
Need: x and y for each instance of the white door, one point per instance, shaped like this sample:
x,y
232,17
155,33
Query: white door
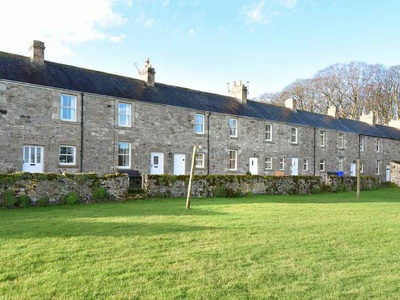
x,y
353,168
179,164
157,163
253,165
387,172
32,159
295,166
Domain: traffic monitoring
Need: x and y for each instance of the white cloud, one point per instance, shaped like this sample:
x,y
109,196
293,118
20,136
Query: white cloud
x,y
192,33
165,3
255,13
288,3
58,25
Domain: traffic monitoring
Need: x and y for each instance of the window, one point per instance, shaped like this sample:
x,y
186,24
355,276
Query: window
x,y
378,145
341,164
362,167
200,160
282,164
268,163
124,155
233,127
232,160
199,124
68,108
66,155
341,141
268,132
294,135
322,138
124,115
362,144
378,167
305,164
322,165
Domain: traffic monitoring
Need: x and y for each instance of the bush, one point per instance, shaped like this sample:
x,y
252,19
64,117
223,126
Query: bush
x,y
100,194
23,201
225,192
9,198
72,198
43,202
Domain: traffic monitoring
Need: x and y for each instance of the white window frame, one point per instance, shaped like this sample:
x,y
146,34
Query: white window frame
x,y
378,167
268,132
127,114
340,165
322,141
322,164
124,154
268,163
201,124
282,164
305,165
73,155
378,145
199,160
72,108
232,160
361,167
294,134
341,141
233,132
362,143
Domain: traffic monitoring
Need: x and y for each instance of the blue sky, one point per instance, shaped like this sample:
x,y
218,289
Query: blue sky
x,y
204,44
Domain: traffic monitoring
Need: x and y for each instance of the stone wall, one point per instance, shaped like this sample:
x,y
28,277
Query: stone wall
x,y
55,187
395,172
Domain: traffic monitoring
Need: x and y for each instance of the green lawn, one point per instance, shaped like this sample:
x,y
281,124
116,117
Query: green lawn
x,y
325,246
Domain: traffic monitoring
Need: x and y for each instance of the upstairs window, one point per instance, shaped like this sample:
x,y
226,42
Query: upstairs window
x,y
362,144
124,115
199,124
282,164
268,163
232,160
305,164
232,127
341,141
199,160
362,168
378,145
124,155
322,138
68,108
293,135
378,167
268,132
66,155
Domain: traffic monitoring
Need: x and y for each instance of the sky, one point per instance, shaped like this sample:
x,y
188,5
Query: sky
x,y
204,44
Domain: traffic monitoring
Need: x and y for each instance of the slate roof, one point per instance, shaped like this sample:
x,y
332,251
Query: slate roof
x,y
20,68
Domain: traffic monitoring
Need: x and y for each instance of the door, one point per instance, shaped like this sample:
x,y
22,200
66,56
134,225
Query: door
x,y
32,159
179,164
295,166
253,165
157,163
353,169
387,172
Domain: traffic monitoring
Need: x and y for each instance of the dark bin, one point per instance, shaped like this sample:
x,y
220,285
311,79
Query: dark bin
x,y
135,178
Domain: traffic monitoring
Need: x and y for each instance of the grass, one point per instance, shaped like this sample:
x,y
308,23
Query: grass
x,y
326,246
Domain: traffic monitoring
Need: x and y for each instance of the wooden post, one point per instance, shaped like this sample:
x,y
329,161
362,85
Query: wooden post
x,y
358,179
191,178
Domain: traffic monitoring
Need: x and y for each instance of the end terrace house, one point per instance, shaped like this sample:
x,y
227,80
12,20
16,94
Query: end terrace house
x,y
62,118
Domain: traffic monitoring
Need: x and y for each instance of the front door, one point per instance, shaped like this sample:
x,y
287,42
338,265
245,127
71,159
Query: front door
x,y
179,164
157,163
353,169
253,165
295,166
387,172
32,159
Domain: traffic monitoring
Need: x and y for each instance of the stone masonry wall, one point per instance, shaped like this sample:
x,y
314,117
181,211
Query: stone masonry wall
x,y
395,172
55,186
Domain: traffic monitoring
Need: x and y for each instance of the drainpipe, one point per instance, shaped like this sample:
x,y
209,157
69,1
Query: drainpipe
x,y
315,132
82,113
208,143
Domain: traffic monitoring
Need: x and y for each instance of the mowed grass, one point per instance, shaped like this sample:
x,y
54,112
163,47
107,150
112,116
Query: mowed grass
x,y
326,246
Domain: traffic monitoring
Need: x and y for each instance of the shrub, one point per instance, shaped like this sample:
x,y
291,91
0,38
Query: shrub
x,y
23,201
43,202
223,191
9,198
100,194
72,198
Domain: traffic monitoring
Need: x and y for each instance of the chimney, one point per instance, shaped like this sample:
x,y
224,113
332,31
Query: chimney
x,y
395,124
37,52
291,103
239,91
148,73
368,118
332,111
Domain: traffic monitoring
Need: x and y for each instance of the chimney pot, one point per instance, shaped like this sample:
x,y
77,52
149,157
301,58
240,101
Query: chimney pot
x,y
332,111
239,91
368,118
291,103
148,73
37,51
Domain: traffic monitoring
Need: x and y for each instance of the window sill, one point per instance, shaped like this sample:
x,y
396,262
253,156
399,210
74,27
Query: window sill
x,y
124,168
